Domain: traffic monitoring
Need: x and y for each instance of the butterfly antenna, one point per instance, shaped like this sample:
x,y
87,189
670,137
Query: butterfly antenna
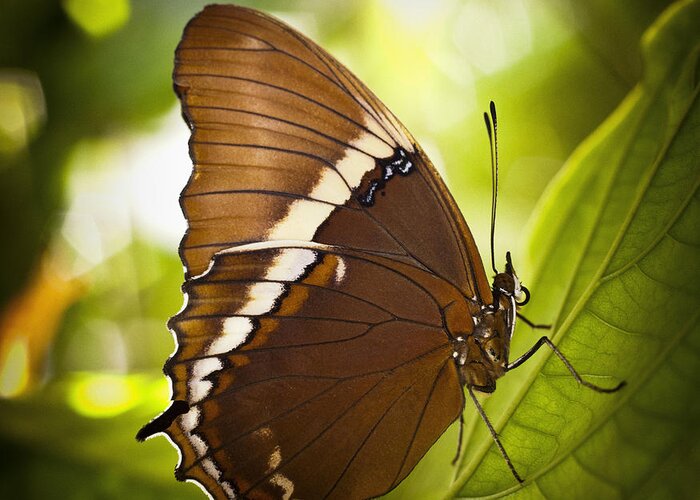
x,y
493,146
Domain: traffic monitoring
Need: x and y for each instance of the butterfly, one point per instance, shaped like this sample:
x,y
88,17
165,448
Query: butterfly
x,y
336,303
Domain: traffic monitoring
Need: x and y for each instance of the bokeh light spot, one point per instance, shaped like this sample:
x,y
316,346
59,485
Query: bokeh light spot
x,y
14,369
98,18
22,109
103,395
493,36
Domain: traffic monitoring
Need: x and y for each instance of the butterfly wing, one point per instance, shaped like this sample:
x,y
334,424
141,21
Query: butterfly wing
x,y
287,144
311,372
324,258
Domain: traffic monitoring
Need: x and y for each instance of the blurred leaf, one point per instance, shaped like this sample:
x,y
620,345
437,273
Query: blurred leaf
x,y
616,269
57,453
615,45
29,324
92,87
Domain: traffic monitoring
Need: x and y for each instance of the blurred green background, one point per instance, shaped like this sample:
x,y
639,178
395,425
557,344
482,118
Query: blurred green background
x,y
93,154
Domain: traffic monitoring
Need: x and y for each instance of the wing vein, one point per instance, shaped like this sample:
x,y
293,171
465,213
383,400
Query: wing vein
x,y
287,91
369,435
418,424
281,120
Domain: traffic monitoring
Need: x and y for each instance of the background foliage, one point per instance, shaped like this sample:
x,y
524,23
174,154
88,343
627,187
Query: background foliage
x,y
92,156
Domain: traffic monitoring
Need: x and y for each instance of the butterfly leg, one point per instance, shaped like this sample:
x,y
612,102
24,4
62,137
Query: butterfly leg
x,y
531,324
493,434
545,340
459,439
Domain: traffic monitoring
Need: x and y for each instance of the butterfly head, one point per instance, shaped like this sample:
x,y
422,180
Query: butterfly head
x,y
507,284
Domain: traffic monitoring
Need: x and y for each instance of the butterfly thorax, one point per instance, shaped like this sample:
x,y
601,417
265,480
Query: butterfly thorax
x,y
482,355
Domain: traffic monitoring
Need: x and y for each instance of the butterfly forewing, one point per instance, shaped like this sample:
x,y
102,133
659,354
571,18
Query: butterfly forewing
x,y
288,144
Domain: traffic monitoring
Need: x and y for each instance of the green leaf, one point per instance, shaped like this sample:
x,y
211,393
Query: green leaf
x,y
614,266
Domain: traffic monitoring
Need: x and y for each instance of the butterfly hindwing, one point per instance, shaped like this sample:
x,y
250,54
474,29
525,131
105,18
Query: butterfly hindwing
x,y
302,379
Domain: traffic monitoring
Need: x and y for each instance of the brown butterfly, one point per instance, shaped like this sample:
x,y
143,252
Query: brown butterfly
x,y
336,304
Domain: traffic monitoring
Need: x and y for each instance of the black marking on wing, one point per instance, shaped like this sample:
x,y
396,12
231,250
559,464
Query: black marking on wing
x,y
164,420
399,163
